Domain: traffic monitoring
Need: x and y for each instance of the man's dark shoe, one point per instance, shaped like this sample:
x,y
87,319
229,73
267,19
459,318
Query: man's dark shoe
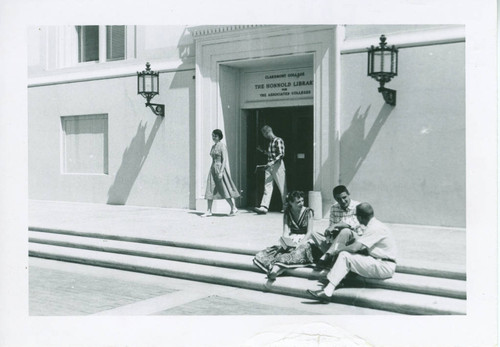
x,y
325,262
319,295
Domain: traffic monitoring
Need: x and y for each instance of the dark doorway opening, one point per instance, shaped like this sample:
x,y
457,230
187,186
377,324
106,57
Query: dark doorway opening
x,y
295,126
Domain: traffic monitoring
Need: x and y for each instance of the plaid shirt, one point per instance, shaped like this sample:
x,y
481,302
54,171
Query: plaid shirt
x,y
348,216
275,150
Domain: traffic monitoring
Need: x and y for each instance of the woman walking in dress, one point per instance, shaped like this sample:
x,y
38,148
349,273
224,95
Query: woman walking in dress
x,y
219,182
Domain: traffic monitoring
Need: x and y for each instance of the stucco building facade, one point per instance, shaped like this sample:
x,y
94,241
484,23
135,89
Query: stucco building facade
x,y
91,139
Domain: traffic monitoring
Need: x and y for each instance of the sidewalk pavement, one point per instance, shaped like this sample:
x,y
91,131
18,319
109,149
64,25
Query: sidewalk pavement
x,y
416,243
70,289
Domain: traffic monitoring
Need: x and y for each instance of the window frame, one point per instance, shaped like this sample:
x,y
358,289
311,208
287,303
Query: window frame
x,y
63,152
110,46
81,37
62,47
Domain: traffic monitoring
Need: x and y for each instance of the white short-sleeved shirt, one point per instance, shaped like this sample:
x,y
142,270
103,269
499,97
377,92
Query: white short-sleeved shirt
x,y
378,240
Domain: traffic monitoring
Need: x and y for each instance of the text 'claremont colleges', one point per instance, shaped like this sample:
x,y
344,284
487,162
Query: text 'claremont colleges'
x,y
291,83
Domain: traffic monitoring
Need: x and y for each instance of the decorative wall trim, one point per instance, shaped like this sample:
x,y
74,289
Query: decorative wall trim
x,y
359,45
108,73
407,39
205,30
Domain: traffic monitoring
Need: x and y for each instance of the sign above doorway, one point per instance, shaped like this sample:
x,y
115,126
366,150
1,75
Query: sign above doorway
x,y
286,84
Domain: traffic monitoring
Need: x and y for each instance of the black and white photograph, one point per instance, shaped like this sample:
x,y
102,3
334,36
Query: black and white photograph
x,y
261,183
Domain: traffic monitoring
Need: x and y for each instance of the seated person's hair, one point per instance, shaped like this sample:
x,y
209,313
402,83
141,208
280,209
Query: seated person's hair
x,y
339,190
296,194
364,210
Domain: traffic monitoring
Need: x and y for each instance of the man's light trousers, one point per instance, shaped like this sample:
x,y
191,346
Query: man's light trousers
x,y
274,173
363,265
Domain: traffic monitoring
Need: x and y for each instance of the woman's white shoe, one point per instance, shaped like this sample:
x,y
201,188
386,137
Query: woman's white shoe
x,y
275,272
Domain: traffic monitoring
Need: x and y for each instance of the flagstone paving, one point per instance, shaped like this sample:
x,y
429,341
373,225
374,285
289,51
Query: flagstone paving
x,y
61,293
67,289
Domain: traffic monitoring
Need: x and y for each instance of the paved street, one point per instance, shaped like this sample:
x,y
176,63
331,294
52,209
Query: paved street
x,y
66,289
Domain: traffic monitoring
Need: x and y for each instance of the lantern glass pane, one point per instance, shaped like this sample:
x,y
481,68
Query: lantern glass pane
x,y
387,64
148,83
395,62
369,69
154,83
377,62
140,84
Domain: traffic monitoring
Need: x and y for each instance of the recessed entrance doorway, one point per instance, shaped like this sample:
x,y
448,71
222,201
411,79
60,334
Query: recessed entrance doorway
x,y
295,126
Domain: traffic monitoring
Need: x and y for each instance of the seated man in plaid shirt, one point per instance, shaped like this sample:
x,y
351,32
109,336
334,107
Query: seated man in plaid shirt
x,y
275,169
344,227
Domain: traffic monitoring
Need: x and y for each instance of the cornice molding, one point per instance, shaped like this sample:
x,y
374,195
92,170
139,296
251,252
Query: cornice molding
x,y
129,70
208,30
406,40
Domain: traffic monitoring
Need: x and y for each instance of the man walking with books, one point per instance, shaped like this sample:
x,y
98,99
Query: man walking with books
x,y
275,169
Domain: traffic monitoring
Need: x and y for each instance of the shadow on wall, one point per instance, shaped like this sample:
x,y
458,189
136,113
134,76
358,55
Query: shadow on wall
x,y
186,45
355,145
132,161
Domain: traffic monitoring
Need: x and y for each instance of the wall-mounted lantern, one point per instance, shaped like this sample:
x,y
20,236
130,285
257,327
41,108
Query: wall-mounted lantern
x,y
148,85
383,66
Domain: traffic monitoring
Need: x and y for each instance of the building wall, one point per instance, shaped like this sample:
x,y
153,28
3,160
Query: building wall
x,y
48,50
408,161
164,43
361,31
150,157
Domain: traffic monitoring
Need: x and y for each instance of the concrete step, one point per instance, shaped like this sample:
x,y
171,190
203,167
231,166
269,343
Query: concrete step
x,y
418,284
426,268
417,268
189,255
377,298
402,282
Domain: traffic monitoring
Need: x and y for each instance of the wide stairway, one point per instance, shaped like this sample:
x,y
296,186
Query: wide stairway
x,y
415,289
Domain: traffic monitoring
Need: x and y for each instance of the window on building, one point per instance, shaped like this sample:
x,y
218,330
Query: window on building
x,y
85,144
115,42
91,37
88,43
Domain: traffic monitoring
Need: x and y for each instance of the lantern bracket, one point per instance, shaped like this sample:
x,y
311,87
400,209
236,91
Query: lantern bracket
x,y
389,95
148,86
158,109
382,69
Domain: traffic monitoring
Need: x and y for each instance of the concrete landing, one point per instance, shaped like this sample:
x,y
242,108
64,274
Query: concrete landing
x,y
247,230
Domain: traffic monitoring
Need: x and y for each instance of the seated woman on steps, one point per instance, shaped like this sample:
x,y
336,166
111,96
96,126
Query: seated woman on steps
x,y
294,250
